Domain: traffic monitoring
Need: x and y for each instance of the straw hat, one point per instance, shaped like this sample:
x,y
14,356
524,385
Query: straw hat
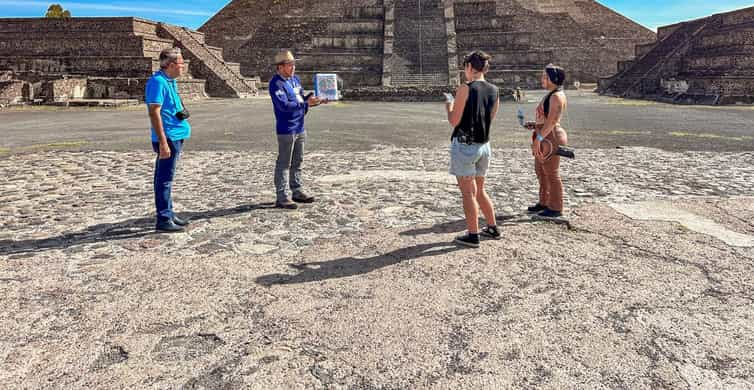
x,y
284,57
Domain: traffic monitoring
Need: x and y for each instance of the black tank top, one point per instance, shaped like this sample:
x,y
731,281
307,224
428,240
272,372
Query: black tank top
x,y
477,115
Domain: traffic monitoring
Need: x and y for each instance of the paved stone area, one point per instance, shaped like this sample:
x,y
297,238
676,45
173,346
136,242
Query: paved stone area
x,y
648,286
363,289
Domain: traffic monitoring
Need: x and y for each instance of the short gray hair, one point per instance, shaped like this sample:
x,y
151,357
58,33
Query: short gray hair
x,y
169,56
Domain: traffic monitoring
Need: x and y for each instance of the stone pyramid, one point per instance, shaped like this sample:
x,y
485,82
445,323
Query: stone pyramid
x,y
421,42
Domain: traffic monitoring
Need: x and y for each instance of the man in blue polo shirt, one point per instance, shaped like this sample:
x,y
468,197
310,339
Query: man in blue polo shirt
x,y
290,108
170,128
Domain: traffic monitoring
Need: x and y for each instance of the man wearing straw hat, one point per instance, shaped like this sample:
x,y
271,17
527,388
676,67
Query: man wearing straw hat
x,y
290,107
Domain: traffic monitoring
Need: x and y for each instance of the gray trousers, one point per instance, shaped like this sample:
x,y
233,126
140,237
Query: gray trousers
x,y
288,166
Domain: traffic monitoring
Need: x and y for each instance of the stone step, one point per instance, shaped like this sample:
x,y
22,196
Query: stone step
x,y
725,38
367,12
320,60
475,8
416,5
52,46
133,88
517,57
217,51
235,66
400,79
347,41
222,79
468,41
200,37
512,78
348,76
354,27
72,26
636,79
475,23
91,65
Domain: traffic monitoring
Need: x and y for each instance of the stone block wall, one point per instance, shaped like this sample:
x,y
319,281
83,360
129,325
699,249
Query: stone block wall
x,y
125,50
63,89
343,37
96,66
11,92
119,88
714,56
420,47
582,35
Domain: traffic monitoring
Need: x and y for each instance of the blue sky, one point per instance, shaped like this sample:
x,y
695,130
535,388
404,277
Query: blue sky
x,y
649,13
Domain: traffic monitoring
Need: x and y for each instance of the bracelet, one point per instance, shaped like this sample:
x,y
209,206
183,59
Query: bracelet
x,y
540,138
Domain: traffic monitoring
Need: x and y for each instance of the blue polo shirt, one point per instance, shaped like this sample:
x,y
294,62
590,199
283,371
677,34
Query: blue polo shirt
x,y
288,101
163,90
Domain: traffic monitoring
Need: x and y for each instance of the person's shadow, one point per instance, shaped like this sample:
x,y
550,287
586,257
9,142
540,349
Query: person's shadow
x,y
351,266
132,228
460,225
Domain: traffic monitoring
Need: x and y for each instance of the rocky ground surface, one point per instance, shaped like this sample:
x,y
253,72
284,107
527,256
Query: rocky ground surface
x,y
363,289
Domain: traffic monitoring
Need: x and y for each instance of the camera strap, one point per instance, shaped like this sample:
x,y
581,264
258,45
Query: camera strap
x,y
183,107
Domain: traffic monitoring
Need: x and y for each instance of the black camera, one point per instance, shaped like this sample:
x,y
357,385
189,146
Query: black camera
x,y
183,115
565,151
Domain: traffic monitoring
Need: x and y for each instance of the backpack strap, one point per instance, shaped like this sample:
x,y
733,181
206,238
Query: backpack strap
x,y
546,103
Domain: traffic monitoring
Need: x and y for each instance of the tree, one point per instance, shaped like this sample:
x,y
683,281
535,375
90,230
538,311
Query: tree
x,y
56,11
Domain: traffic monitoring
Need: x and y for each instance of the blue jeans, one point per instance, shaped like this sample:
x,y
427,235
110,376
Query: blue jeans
x,y
288,165
164,172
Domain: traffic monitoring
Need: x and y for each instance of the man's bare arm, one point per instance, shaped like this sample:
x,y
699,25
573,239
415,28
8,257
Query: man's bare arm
x,y
162,139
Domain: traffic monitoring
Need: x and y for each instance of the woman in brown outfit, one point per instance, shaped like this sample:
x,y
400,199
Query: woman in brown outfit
x,y
547,136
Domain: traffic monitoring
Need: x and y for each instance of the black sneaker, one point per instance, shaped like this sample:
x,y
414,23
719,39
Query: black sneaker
x,y
491,232
535,209
169,227
467,240
180,221
286,204
301,197
547,213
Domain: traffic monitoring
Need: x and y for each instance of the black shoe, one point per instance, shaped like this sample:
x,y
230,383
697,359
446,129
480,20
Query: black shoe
x,y
169,227
286,204
491,232
547,213
180,222
535,209
302,198
467,240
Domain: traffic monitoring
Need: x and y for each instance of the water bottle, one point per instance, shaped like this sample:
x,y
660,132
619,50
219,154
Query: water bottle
x,y
520,115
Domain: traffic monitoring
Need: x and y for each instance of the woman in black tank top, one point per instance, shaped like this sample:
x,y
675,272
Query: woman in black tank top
x,y
471,116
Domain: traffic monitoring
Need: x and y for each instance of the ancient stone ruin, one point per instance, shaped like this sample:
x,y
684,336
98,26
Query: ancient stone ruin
x,y
56,60
402,43
707,61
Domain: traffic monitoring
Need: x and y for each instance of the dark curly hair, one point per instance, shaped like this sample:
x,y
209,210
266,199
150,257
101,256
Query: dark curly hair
x,y
479,60
556,74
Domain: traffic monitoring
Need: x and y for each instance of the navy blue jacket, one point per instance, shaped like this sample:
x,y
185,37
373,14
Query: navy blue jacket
x,y
289,104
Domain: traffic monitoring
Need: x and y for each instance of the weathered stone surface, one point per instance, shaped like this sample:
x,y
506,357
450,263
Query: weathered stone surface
x,y
11,91
364,288
422,42
113,56
665,211
704,61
